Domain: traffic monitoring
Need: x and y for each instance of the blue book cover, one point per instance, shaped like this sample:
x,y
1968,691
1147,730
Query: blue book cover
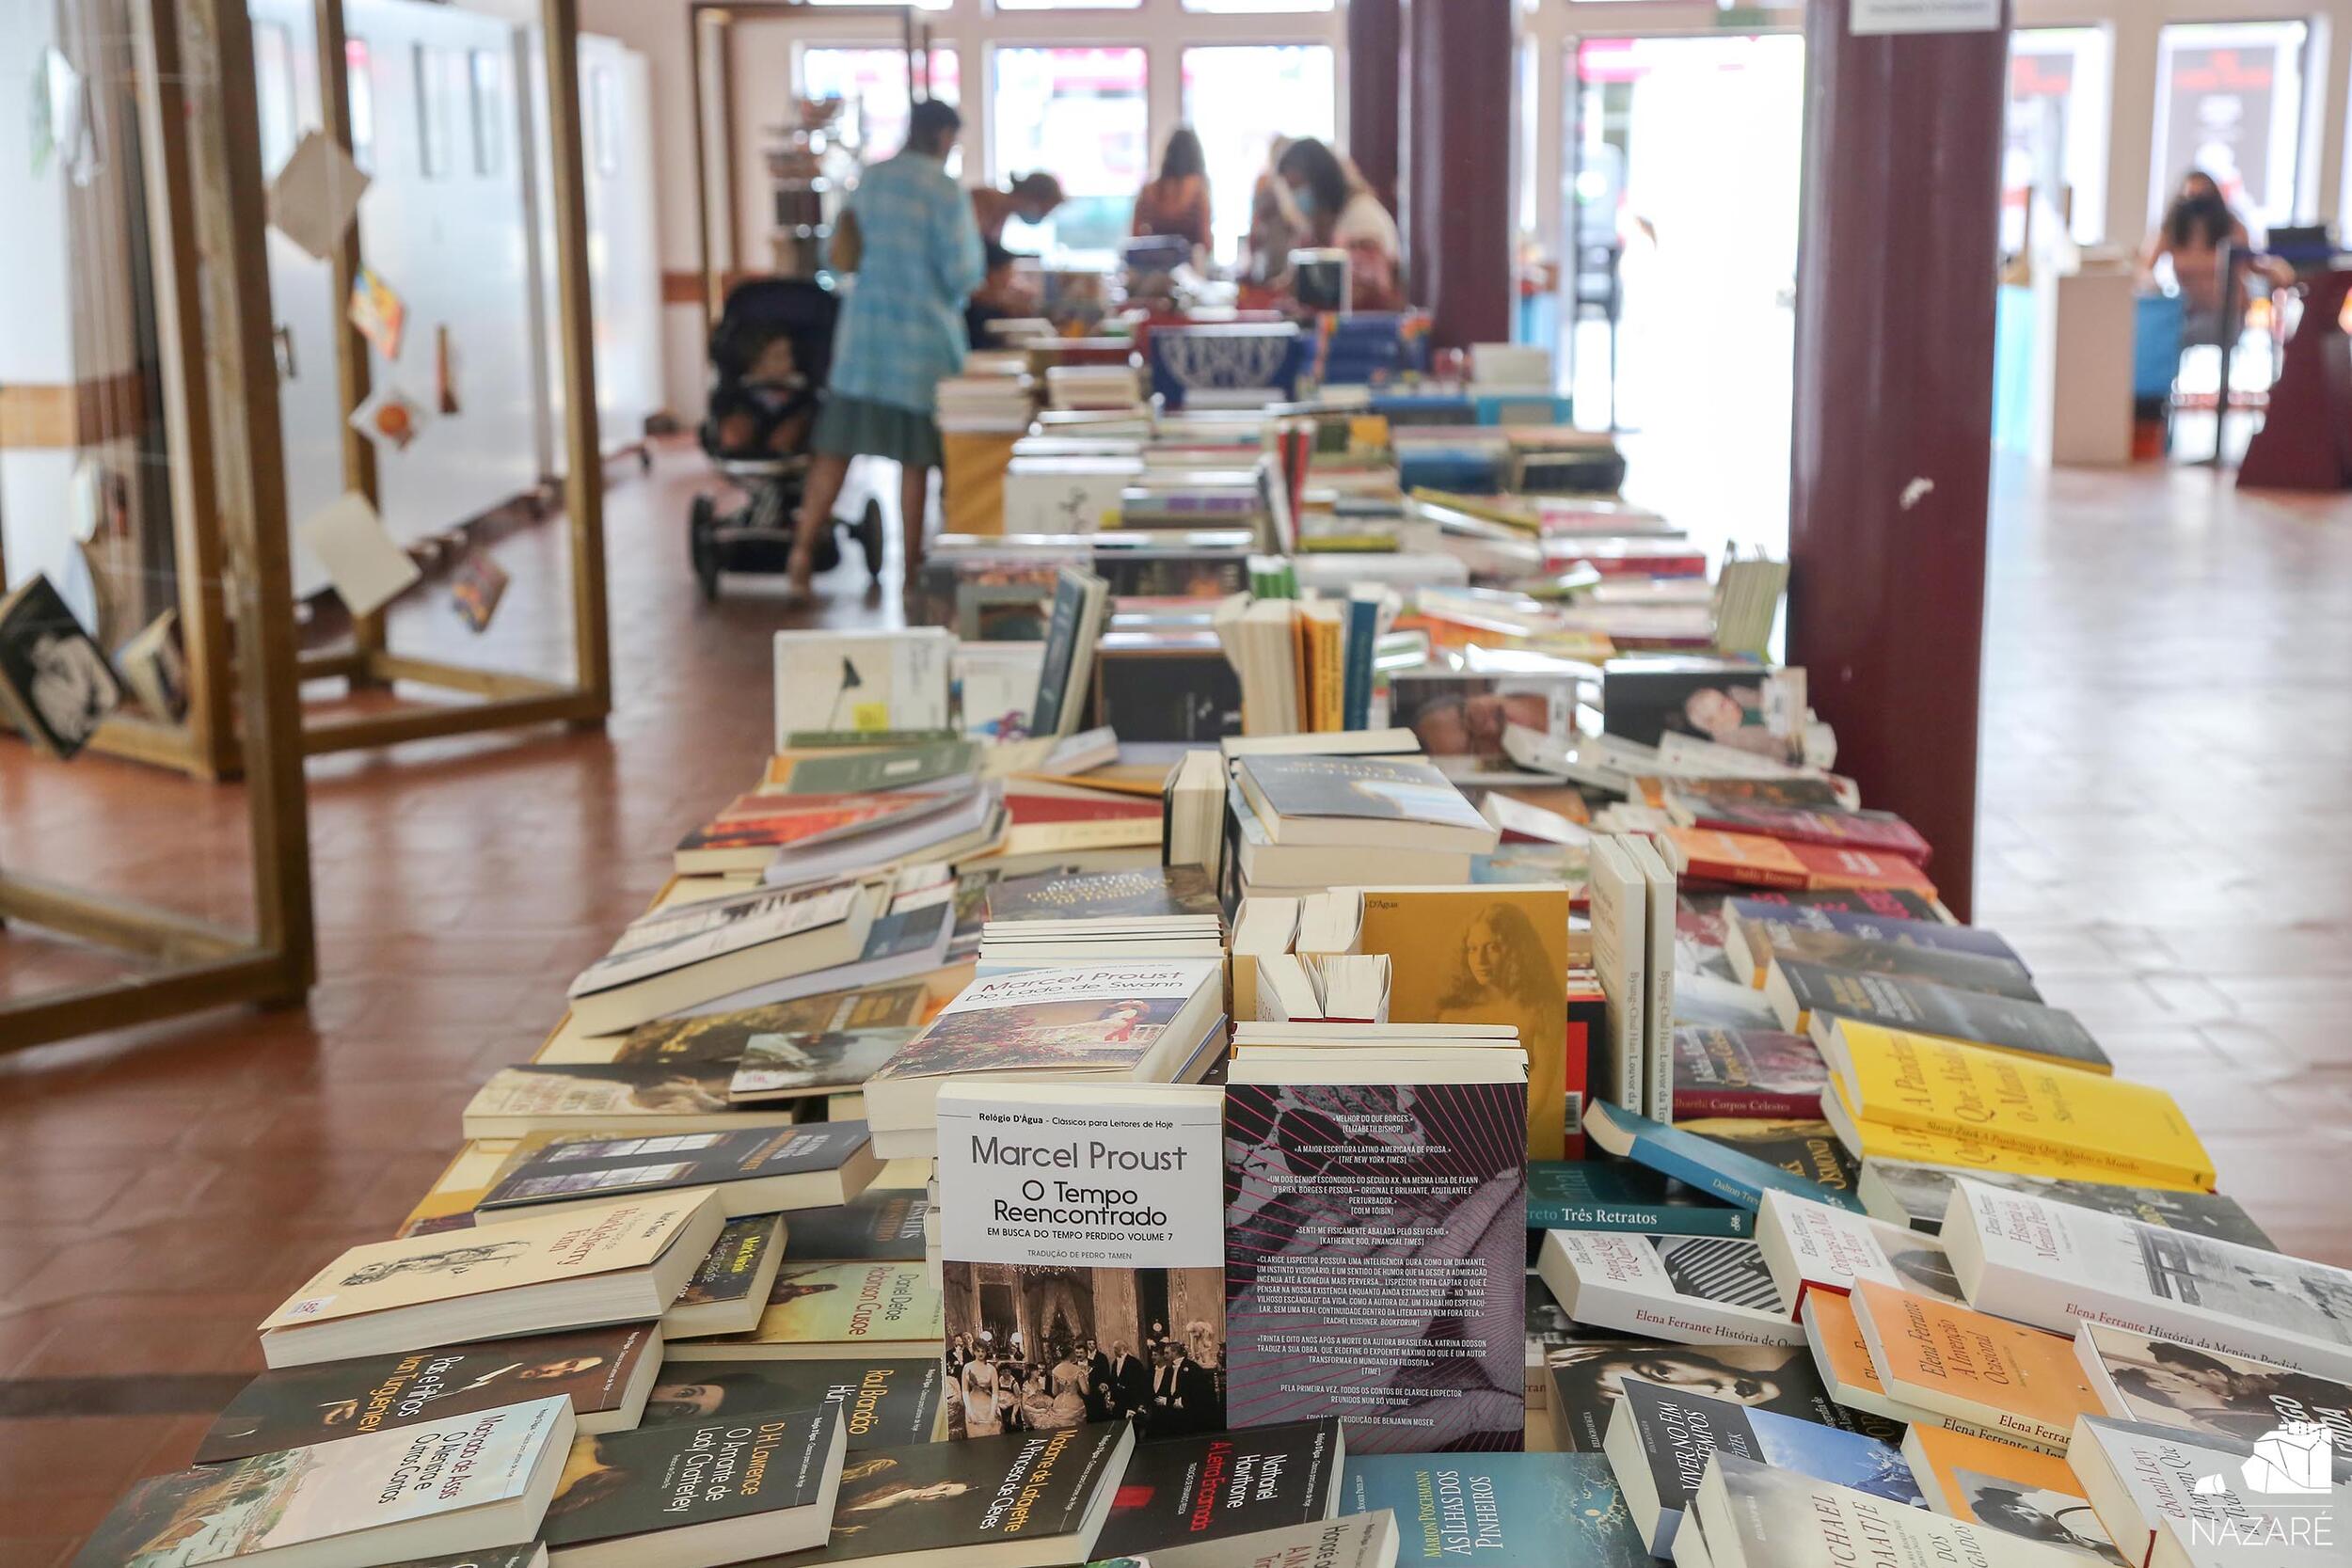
x,y
1612,1194
1865,925
1364,638
1701,1162
1500,1507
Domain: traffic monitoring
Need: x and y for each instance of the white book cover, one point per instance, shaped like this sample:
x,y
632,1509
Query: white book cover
x,y
2054,1265
2172,1500
1619,897
1812,1246
1658,1009
1690,1289
366,567
694,932
890,680
1759,1515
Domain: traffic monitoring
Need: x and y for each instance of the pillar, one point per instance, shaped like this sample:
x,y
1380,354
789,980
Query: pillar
x,y
1375,43
1459,82
1892,426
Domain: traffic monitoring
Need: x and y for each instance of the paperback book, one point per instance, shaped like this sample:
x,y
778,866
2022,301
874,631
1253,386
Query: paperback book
x,y
824,1312
1618,1194
1756,929
1815,1247
697,952
1746,1072
1179,1492
2210,1393
886,1401
1023,1500
2173,1502
2002,1378
726,1293
1706,1164
1588,1381
1902,1191
1402,801
792,1065
1690,1289
1808,1149
1502,1508
881,1225
698,1493
1805,996
610,1098
1755,1515
2002,1487
1360,1540
755,1171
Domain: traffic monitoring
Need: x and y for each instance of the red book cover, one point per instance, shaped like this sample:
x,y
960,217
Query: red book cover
x,y
1881,832
1828,866
1028,809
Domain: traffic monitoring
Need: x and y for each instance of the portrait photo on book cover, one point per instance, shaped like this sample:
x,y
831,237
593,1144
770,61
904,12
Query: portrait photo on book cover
x,y
2054,1518
1587,1382
2214,1394
1038,1348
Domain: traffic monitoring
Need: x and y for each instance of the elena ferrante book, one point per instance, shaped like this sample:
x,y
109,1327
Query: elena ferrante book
x,y
1500,1507
698,1494
1375,1248
2008,1489
2158,1382
2002,1378
2169,1501
885,1402
755,1171
1024,1500
482,1479
1082,1239
1178,1492
1903,1192
1693,1289
605,1372
1814,1247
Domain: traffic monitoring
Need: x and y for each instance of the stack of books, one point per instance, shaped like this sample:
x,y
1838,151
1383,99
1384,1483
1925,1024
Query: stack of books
x,y
1304,823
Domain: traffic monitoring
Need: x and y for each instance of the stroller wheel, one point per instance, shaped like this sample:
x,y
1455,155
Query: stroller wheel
x,y
868,530
702,545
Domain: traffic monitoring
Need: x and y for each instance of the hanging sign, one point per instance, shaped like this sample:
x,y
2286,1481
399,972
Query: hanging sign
x,y
1924,16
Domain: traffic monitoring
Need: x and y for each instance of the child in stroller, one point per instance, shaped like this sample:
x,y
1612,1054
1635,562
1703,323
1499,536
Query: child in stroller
x,y
770,355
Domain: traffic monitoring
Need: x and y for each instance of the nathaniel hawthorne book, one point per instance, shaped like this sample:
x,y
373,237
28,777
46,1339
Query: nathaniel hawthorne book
x,y
1618,1194
1755,1515
1358,1541
1659,1439
1690,1289
482,1479
1023,1500
699,1494
1374,1247
1746,1072
1917,1081
2159,1382
2169,1501
784,1067
2006,1488
1588,1379
758,1170
2013,1382
1706,1164
730,1287
885,1401
2045,1264
1804,1148
1178,1492
1500,1507
613,1097
1809,997
1402,802
882,1224
1755,927
1903,1192
619,1262
823,1312
1815,1247
605,1372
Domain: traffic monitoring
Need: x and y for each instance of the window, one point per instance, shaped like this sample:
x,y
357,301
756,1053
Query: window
x,y
274,93
2054,153
433,112
2230,101
1239,98
358,70
487,80
1067,4
1236,7
919,5
1078,114
604,120
872,85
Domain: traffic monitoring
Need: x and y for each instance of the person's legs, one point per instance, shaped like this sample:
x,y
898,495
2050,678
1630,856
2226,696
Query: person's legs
x,y
915,501
821,489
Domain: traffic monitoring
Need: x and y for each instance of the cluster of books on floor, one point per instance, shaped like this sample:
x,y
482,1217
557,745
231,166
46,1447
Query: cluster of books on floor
x,y
1297,1179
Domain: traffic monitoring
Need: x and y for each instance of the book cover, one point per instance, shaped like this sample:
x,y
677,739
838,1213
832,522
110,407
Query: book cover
x,y
1588,1379
1618,1194
548,1167
1759,923
789,1065
1502,1508
2005,1488
2016,1382
600,1096
780,1466
1767,1517
369,1486
1903,1192
735,1264
1178,1492
1905,1079
1710,1167
1070,632
1808,1149
54,676
1966,1150
1712,1001
1881,832
829,771
1072,1015
1658,1011
1814,1247
885,1401
1366,791
295,1406
1374,1240
879,1227
1921,1006
723,1038
1619,920
1360,1540
1104,894
827,1310
1752,859
1040,1492
1903,964
1746,1072
756,823
1890,903
2171,1501
1485,955
1690,1289
2159,1382
1081,1252
860,681
692,934
1797,794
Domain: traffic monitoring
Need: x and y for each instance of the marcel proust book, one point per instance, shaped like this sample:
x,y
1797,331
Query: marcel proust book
x,y
1375,1260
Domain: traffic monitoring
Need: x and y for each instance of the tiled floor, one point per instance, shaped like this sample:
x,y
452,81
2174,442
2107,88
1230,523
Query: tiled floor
x,y
2169,741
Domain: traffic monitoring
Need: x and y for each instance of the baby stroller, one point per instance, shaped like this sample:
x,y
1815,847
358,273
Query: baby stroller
x,y
770,355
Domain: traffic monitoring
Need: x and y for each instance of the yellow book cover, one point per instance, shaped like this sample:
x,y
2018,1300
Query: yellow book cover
x,y
2006,1488
819,1310
1899,1079
1496,954
1875,1140
2005,1377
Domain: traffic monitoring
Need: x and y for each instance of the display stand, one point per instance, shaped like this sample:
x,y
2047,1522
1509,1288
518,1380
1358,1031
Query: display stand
x,y
503,700
195,62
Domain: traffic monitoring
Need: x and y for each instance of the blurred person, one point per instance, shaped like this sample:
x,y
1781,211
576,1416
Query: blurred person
x,y
2197,224
1031,198
1275,223
1342,214
1177,202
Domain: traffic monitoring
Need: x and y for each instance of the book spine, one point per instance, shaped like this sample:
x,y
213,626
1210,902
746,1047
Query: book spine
x,y
1747,1104
2019,1142
1644,1219
1363,622
1668,1161
2062,1305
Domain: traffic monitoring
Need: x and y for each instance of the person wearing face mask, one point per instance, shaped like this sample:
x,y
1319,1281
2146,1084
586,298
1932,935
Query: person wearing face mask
x,y
1340,211
2196,227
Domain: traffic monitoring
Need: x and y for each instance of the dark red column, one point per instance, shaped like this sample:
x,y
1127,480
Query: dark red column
x,y
1375,43
1893,419
1458,165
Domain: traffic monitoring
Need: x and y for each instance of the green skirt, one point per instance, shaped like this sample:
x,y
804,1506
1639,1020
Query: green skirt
x,y
858,427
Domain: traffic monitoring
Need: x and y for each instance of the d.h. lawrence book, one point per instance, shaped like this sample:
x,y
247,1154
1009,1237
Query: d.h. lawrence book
x,y
1179,1491
699,1493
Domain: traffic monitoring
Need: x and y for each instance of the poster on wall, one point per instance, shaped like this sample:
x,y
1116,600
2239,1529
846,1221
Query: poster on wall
x,y
1924,16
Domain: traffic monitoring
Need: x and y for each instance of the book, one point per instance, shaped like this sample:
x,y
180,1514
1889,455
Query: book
x,y
2160,1382
1929,1085
55,680
1751,860
876,1227
1375,1215
1841,1355
1360,1540
824,1312
2002,1487
1587,1382
1756,929
1659,1439
1965,1150
618,1262
1901,964
1619,900
643,1098
1103,895
729,1289
1504,1507
885,1401
154,665
753,1171
1815,1247
1878,831
367,566
723,1038
1070,632
1735,701
1082,1236
696,1495
1761,1516
1808,1149
1261,863
1746,1072
1400,803
1218,1485
1703,1164
858,770
606,1372
2171,1501
862,681
754,832
1132,1019
481,1480
1485,955
787,1065
686,953
1809,998
2044,1263
1618,1194
1658,1009
1903,1192
1690,1289
2015,1383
